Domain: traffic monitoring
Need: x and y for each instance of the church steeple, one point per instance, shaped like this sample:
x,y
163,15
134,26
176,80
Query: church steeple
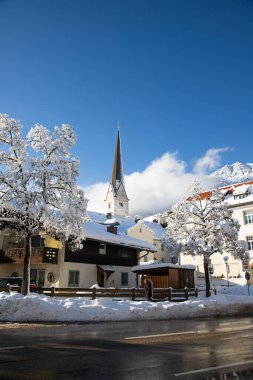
x,y
117,200
117,171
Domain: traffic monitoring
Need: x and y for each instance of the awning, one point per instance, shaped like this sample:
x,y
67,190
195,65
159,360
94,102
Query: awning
x,y
107,268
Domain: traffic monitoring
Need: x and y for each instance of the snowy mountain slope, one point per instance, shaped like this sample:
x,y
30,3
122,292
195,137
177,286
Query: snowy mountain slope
x,y
234,173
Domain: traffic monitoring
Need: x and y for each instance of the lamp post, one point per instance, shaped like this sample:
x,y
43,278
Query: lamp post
x,y
225,258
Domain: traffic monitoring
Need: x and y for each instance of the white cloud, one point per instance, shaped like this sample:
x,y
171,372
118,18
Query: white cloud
x,y
164,182
210,161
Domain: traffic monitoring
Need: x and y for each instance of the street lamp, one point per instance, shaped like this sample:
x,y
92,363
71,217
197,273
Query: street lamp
x,y
225,258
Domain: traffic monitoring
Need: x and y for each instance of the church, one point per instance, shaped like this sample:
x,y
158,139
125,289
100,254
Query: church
x,y
116,199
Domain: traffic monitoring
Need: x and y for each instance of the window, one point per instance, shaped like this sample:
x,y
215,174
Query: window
x,y
250,242
146,259
248,216
37,241
124,254
240,196
73,278
121,204
124,278
109,205
174,260
102,249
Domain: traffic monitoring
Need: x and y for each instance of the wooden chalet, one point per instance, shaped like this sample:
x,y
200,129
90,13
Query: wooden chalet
x,y
166,275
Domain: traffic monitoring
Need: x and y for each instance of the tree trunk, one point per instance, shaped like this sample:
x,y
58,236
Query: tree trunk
x,y
26,269
207,278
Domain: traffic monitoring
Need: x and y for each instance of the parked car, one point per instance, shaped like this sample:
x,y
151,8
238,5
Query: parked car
x,y
15,281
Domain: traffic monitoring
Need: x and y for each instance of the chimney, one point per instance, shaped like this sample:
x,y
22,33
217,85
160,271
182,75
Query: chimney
x,y
112,229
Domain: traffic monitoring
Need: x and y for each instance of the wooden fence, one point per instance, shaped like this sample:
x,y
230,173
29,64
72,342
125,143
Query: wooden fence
x,y
159,294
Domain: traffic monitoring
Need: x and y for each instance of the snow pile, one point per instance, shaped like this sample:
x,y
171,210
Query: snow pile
x,y
40,308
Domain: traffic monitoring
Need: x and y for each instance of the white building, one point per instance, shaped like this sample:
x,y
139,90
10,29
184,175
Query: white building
x,y
240,200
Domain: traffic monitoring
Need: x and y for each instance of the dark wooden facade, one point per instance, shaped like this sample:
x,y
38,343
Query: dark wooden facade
x,y
166,277
113,255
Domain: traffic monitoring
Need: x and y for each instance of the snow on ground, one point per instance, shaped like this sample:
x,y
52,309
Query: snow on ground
x,y
40,308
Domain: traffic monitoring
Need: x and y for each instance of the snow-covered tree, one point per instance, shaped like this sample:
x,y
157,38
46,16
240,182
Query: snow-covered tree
x,y
38,189
201,225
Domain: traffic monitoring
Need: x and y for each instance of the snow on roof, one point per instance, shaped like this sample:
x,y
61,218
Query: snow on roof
x,y
155,228
96,231
107,268
143,267
112,222
235,201
231,190
125,222
241,189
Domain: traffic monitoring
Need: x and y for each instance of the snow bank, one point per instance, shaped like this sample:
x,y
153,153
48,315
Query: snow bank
x,y
40,308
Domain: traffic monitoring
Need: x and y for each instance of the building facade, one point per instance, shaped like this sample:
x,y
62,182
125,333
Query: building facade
x,y
231,271
105,260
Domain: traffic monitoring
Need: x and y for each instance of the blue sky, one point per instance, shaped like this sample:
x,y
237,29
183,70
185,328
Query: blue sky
x,y
176,74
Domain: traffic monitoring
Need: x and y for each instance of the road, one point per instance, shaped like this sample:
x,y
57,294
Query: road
x,y
182,349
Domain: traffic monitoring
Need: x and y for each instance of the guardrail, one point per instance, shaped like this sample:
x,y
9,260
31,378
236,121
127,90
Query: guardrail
x,y
159,294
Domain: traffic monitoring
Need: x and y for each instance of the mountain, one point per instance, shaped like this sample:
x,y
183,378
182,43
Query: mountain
x,y
234,173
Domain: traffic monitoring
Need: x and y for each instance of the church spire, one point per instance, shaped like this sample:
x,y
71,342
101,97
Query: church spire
x,y
117,171
116,199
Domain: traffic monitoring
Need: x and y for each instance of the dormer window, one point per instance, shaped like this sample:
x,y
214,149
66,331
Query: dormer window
x,y
240,196
241,192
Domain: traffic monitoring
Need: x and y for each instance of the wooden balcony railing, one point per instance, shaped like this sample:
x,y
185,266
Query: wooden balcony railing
x,y
39,255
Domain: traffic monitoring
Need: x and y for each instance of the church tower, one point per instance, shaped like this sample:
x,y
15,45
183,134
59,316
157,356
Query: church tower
x,y
116,199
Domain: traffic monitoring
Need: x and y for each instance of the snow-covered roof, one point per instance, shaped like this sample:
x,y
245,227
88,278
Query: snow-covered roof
x,y
107,268
96,231
125,222
155,228
241,189
232,190
143,267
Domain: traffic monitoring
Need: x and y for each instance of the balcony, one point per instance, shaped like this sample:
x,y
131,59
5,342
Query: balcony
x,y
39,255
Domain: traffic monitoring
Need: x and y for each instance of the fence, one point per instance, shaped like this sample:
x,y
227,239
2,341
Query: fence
x,y
159,294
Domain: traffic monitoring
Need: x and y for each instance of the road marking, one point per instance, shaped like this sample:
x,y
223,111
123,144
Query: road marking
x,y
213,368
159,335
11,348
226,329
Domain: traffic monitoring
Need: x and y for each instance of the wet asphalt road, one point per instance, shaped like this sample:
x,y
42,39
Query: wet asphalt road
x,y
183,349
